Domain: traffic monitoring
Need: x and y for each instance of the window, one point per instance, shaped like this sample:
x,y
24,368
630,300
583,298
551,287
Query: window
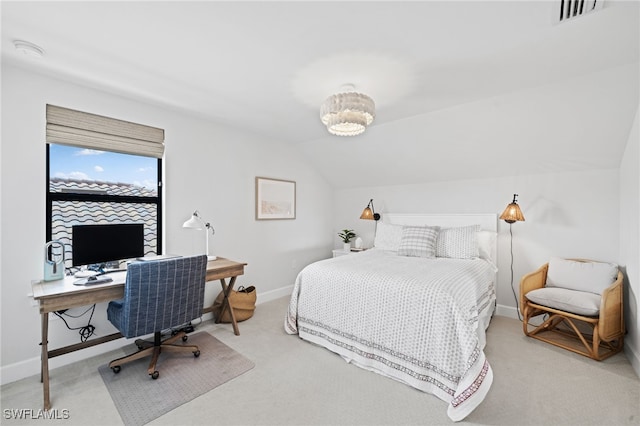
x,y
102,170
88,186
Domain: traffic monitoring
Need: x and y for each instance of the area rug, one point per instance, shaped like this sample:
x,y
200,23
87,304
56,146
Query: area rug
x,y
183,377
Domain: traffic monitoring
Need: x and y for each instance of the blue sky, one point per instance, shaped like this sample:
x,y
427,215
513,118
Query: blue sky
x,y
88,164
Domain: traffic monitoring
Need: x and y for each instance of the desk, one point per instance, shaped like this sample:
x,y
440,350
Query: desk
x,y
221,269
63,294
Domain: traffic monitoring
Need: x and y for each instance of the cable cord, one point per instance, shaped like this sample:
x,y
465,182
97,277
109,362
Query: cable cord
x,y
515,297
85,331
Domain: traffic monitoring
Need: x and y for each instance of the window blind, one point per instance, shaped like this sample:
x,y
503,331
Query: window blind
x,y
76,128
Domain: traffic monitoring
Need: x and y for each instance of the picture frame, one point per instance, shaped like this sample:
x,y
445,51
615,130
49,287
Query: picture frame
x,y
275,199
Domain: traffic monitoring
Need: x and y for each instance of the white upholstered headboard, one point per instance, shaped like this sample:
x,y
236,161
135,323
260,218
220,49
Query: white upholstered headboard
x,y
487,221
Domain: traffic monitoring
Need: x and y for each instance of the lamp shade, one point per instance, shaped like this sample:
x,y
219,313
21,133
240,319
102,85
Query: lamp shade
x,y
512,213
369,213
347,114
194,222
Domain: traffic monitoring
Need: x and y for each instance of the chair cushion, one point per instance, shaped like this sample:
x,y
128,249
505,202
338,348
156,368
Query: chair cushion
x,y
577,302
593,277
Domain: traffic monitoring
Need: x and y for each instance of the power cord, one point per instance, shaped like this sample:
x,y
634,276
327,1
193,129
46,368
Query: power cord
x,y
187,328
85,331
512,289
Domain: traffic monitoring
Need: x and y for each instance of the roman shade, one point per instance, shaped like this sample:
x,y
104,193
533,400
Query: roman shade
x,y
76,128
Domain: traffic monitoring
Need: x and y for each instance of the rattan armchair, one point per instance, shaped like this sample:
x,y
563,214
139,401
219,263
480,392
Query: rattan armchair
x,y
570,330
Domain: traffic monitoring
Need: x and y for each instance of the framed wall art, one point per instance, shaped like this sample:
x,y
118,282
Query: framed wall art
x,y
275,199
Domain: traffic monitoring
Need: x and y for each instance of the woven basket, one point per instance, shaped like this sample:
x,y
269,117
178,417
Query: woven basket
x,y
243,302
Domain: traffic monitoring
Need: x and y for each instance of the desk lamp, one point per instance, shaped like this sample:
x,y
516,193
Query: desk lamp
x,y
196,222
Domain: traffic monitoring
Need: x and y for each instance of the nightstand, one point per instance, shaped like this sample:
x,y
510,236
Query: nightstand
x,y
340,252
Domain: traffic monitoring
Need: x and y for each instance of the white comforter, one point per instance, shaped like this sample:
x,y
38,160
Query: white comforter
x,y
416,320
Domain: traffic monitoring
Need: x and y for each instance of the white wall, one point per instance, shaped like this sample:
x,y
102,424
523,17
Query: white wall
x,y
207,167
567,214
629,241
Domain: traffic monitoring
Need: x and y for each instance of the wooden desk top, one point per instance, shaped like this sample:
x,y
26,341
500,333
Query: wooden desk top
x,y
224,268
63,294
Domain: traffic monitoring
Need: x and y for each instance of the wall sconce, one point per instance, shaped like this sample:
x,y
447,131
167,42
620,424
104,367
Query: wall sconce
x,y
369,213
196,222
512,213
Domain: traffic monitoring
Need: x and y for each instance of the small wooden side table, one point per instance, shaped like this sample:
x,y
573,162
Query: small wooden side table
x,y
221,269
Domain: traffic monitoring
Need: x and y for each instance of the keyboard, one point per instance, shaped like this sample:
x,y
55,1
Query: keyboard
x,y
92,280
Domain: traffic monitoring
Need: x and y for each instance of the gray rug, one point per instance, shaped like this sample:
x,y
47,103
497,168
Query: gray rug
x,y
183,377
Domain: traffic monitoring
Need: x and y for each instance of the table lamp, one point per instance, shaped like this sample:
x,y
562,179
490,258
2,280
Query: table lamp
x,y
196,222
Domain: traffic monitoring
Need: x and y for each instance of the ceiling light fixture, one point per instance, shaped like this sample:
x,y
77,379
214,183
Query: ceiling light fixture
x,y
29,49
347,113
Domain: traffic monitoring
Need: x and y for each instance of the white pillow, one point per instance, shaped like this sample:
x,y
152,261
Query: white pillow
x,y
486,243
458,243
418,241
387,236
593,277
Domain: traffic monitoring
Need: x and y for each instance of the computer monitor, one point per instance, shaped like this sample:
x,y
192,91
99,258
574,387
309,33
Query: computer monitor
x,y
99,244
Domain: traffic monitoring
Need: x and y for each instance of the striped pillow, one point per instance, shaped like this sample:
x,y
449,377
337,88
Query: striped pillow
x,y
418,241
458,243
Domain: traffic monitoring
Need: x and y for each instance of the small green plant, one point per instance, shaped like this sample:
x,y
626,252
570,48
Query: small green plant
x,y
346,235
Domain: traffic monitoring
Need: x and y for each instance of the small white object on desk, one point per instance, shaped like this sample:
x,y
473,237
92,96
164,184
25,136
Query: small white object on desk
x,y
157,257
85,273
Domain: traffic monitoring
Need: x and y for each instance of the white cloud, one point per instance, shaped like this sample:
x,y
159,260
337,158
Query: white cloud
x,y
87,151
73,175
144,169
147,183
98,169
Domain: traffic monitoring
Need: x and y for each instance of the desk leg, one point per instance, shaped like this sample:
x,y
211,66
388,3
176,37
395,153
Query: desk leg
x,y
226,291
44,368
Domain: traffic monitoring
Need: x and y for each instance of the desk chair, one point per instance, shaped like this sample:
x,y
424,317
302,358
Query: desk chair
x,y
159,295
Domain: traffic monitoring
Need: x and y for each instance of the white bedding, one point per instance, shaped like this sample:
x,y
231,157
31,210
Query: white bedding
x,y
420,321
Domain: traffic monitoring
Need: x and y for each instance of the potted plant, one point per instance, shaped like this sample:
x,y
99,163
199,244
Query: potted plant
x,y
346,235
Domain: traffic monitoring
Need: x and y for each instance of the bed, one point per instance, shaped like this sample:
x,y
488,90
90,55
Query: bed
x,y
414,307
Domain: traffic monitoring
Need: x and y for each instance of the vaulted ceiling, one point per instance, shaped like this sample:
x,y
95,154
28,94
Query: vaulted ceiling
x,y
462,89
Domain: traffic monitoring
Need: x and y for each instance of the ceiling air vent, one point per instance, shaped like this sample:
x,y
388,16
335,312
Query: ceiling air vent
x,y
570,9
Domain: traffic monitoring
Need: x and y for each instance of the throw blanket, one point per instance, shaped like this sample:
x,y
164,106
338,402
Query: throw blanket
x,y
416,320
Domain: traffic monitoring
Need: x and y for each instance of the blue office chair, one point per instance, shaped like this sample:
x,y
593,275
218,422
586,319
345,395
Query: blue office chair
x,y
159,295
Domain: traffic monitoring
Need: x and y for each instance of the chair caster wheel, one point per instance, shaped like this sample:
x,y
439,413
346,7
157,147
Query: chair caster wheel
x,y
116,369
184,338
155,375
196,353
